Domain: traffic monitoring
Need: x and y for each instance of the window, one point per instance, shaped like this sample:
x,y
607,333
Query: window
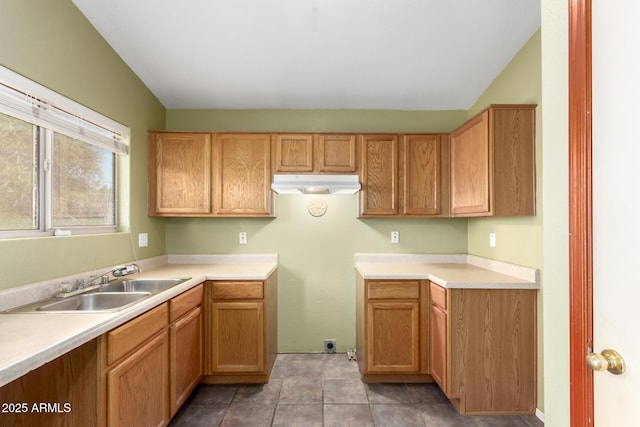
x,y
83,184
18,174
57,162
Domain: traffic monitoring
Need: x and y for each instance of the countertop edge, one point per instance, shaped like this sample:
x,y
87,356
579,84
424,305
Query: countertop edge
x,y
99,323
469,274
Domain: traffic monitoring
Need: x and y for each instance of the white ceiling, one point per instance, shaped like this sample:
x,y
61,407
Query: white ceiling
x,y
306,54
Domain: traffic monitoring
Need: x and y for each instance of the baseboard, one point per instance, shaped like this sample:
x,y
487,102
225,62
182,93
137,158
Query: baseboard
x,y
540,415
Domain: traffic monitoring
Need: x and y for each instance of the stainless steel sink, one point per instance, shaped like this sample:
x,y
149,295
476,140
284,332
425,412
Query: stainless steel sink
x,y
95,302
141,285
109,298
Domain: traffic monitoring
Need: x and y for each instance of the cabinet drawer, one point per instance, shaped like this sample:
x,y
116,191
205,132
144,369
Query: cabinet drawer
x,y
408,289
438,296
125,338
183,303
236,290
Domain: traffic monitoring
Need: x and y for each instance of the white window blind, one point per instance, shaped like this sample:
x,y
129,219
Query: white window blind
x,y
33,103
58,162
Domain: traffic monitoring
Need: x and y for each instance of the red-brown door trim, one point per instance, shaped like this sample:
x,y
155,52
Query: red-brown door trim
x,y
580,212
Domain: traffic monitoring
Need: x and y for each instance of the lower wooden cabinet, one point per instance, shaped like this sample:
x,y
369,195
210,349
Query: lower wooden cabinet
x,y
438,333
479,345
483,348
393,337
138,386
137,374
391,330
185,346
135,357
150,365
240,330
66,386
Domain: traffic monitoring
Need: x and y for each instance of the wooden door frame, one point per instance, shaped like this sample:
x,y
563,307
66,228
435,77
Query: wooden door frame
x,y
580,212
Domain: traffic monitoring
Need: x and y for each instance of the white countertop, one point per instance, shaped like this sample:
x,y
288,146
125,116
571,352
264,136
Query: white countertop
x,y
29,340
449,271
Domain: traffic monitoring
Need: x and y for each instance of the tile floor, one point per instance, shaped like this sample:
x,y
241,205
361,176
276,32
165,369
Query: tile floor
x,y
310,390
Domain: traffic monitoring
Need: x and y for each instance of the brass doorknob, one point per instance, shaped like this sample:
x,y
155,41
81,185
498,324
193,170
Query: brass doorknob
x,y
608,360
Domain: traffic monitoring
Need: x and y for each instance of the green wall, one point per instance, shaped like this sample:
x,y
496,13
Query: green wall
x,y
315,120
316,274
316,277
52,43
519,239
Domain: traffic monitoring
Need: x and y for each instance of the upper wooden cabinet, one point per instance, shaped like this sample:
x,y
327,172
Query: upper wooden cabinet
x,y
486,167
179,173
493,163
205,174
424,175
336,153
405,175
319,153
243,174
379,175
293,153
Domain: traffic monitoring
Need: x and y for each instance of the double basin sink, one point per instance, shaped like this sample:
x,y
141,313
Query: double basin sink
x,y
108,298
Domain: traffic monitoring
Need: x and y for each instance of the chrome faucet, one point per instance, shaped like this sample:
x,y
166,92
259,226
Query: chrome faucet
x,y
94,282
125,270
118,271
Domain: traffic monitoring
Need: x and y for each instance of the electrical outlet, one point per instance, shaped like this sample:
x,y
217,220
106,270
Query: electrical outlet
x,y
492,240
143,240
329,346
242,237
395,237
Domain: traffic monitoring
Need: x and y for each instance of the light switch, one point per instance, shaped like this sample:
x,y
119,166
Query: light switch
x,y
143,240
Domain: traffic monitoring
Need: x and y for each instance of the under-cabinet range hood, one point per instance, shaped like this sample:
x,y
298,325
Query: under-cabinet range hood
x,y
315,184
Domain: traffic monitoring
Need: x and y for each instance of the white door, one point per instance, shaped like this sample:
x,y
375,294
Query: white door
x,y
616,206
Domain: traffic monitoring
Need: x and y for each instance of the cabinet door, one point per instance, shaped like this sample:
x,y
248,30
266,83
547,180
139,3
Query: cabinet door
x,y
293,153
337,153
179,173
393,337
422,175
470,167
243,174
237,337
68,381
144,373
379,175
186,361
438,346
